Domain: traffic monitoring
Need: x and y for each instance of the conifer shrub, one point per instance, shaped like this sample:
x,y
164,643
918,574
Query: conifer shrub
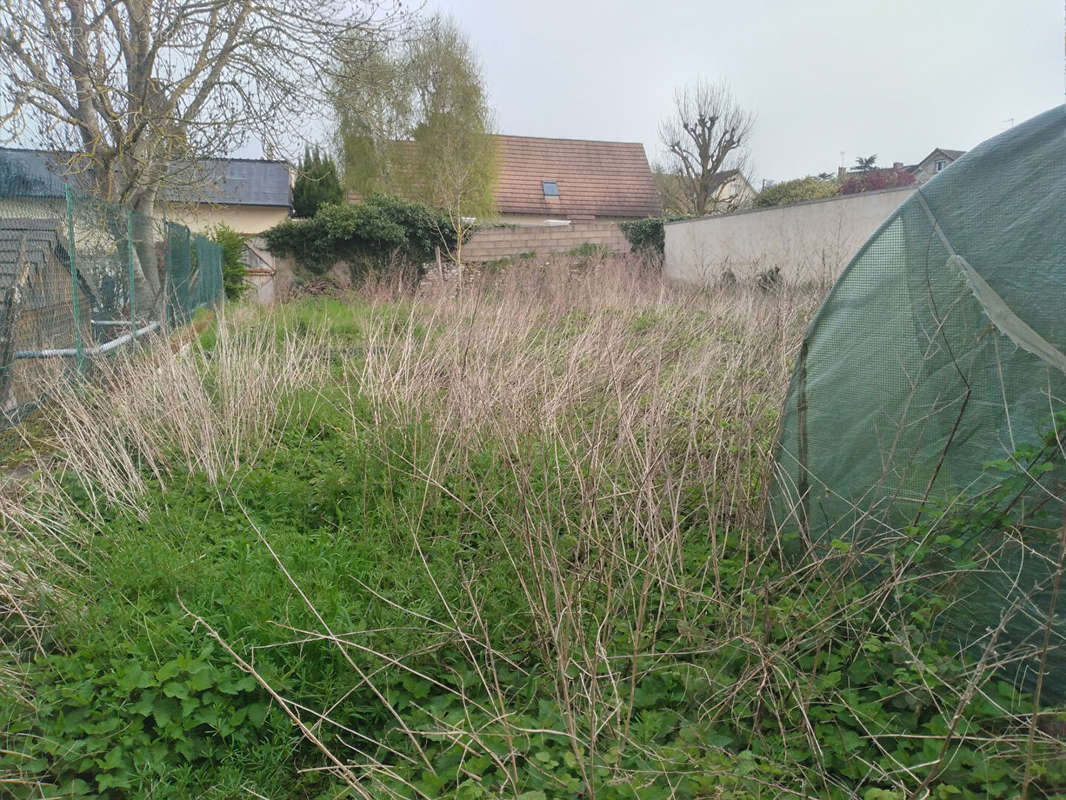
x,y
234,272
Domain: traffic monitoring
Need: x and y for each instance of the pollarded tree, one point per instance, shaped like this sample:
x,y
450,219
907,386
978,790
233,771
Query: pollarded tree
x,y
706,134
316,183
133,88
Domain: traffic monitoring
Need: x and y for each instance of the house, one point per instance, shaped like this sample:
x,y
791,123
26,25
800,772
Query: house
x,y
937,161
249,195
577,180
36,304
730,191
543,181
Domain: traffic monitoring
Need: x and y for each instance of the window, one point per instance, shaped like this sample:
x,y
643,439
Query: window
x,y
551,188
940,165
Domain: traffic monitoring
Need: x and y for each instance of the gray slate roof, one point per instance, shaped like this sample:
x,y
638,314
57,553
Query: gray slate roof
x,y
25,242
29,242
228,181
232,181
30,173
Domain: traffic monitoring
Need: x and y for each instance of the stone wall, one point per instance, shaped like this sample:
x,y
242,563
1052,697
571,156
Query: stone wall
x,y
490,244
809,242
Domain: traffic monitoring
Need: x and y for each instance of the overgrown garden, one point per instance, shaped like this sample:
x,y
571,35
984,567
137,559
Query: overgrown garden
x,y
507,542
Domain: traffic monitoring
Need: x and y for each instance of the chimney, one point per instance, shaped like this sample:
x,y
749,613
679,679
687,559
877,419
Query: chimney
x,y
897,165
842,172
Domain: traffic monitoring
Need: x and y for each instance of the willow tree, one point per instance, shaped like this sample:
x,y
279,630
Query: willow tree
x,y
414,121
133,88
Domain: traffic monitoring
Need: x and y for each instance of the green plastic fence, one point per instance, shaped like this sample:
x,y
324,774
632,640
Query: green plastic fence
x,y
81,278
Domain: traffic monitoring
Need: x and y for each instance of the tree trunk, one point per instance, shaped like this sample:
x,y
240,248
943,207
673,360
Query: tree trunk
x,y
150,273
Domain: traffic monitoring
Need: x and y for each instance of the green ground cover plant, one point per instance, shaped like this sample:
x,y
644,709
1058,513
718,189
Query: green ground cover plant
x,y
500,543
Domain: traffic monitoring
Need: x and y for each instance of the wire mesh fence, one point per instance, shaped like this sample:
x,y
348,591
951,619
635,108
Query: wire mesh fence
x,y
81,278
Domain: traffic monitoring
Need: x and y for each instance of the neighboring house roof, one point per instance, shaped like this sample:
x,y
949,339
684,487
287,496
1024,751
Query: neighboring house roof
x,y
951,154
226,181
31,173
938,152
592,179
233,181
25,241
725,176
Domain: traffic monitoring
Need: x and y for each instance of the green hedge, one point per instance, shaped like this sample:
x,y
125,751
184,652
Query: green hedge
x,y
796,191
380,233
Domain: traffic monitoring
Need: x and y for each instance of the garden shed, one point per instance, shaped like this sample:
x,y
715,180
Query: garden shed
x,y
929,391
36,303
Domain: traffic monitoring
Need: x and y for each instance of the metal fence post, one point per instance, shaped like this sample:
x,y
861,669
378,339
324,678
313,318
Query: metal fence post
x,y
165,276
78,349
133,283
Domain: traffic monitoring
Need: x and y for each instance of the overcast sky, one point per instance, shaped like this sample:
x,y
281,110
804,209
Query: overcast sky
x,y
891,77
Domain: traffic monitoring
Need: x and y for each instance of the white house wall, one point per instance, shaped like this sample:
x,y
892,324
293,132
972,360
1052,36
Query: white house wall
x,y
249,220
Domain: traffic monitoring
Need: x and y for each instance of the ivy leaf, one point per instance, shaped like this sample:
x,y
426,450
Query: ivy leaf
x,y
207,715
114,759
134,677
189,704
164,712
146,705
257,713
176,689
201,678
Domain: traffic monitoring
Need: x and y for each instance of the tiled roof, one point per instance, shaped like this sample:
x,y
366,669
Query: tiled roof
x,y
718,178
229,181
595,179
25,242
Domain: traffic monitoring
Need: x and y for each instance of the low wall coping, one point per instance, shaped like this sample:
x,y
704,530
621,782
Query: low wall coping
x,y
820,201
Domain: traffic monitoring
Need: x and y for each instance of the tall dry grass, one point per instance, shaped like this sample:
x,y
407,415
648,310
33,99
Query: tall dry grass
x,y
627,416
169,407
175,405
647,394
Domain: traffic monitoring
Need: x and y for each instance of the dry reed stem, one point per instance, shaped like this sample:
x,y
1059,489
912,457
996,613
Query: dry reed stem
x,y
625,412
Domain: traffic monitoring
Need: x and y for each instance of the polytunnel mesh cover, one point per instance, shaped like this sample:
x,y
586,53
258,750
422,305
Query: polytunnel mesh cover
x,y
939,352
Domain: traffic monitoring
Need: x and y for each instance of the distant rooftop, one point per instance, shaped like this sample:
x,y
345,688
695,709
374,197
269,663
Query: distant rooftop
x,y
226,181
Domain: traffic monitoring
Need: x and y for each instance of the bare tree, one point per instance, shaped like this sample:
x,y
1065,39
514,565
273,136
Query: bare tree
x,y
706,134
131,89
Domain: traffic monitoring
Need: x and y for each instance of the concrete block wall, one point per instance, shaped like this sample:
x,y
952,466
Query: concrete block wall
x,y
809,242
490,244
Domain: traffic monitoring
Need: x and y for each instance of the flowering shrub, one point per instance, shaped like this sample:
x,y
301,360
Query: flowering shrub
x,y
876,179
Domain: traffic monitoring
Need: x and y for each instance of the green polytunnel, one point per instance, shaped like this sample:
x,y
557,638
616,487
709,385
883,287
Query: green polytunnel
x,y
930,387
